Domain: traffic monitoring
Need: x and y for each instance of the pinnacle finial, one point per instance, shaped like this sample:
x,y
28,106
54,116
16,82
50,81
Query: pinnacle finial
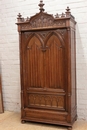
x,y
19,15
19,18
68,11
41,6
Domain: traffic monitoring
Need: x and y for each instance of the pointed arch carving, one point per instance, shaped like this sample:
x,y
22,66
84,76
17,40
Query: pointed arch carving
x,y
35,39
57,37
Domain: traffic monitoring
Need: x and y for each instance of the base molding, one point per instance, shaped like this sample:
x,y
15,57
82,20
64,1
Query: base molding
x,y
47,117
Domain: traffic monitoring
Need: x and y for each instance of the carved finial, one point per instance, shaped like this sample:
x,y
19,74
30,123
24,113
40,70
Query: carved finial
x,y
41,6
27,19
19,15
57,16
19,18
68,11
63,15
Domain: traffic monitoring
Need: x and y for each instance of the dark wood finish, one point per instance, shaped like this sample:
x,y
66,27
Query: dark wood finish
x,y
48,68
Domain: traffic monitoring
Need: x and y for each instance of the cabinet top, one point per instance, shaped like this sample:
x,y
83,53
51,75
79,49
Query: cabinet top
x,y
43,20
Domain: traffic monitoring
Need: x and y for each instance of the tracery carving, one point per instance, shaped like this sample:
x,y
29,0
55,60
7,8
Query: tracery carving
x,y
27,34
49,101
59,23
44,35
38,41
43,19
61,32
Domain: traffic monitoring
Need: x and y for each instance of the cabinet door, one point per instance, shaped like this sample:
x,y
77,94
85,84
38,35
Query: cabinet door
x,y
35,63
45,69
54,63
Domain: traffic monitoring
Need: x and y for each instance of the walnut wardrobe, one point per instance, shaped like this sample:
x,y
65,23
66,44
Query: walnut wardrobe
x,y
48,68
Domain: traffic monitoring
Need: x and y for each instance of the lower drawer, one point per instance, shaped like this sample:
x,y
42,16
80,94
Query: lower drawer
x,y
45,116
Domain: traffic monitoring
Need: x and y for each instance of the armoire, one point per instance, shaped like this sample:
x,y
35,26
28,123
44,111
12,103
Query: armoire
x,y
48,68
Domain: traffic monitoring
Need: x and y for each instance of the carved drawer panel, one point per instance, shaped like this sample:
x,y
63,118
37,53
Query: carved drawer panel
x,y
46,101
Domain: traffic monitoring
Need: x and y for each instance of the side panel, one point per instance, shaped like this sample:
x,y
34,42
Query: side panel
x,y
73,75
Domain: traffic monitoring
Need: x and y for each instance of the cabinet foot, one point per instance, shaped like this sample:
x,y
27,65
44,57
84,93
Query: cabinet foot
x,y
70,128
23,121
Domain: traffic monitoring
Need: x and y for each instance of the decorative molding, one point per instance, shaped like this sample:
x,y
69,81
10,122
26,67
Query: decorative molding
x,y
61,32
44,36
44,20
27,34
49,101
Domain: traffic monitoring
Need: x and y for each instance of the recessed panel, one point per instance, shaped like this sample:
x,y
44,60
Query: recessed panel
x,y
47,101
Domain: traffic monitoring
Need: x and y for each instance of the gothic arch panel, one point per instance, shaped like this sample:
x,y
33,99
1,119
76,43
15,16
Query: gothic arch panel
x,y
54,37
35,39
34,62
54,63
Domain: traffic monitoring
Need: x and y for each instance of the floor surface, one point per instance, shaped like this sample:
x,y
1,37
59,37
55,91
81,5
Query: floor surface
x,y
11,121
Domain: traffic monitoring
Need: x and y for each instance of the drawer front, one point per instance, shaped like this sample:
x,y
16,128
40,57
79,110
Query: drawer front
x,y
44,116
46,101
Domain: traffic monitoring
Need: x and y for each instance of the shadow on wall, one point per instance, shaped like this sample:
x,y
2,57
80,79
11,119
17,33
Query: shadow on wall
x,y
81,73
1,98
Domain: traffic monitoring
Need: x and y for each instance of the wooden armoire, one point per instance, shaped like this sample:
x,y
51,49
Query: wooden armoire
x,y
48,68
